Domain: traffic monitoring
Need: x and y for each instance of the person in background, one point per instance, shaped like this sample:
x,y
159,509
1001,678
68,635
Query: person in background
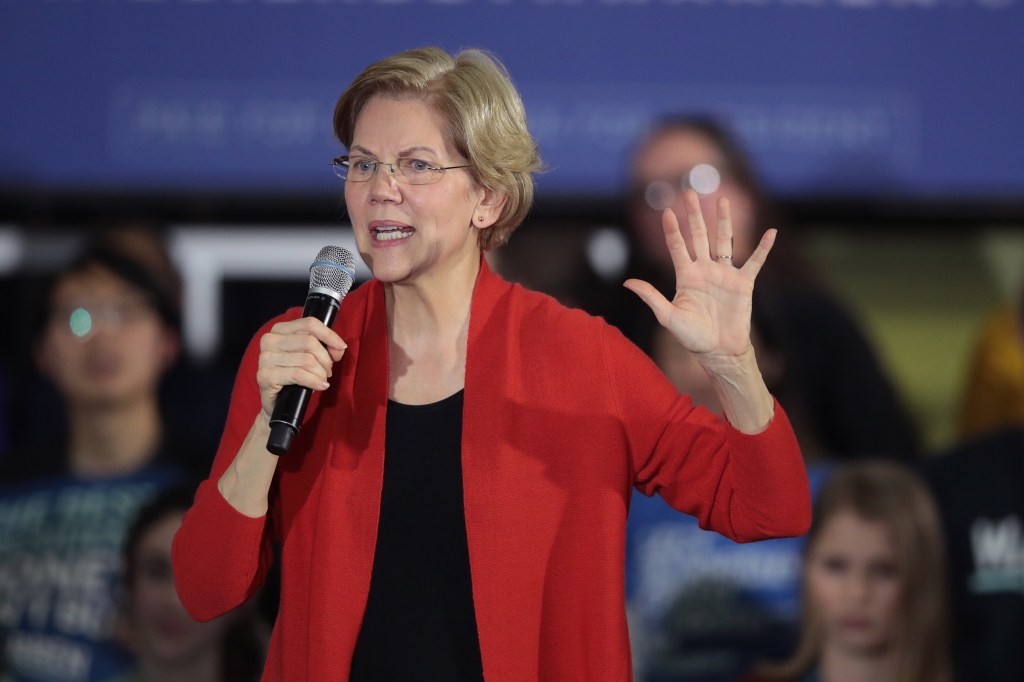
x,y
454,506
167,644
836,373
993,398
978,486
874,603
107,335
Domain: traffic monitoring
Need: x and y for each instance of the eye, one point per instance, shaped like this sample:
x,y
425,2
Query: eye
x,y
884,570
417,165
361,165
834,564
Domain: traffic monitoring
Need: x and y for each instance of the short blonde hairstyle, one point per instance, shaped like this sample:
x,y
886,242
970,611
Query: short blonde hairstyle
x,y
485,118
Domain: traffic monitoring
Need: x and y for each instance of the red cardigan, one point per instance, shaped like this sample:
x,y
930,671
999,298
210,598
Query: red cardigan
x,y
562,418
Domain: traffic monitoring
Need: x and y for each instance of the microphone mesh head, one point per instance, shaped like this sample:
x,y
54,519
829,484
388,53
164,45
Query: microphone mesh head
x,y
333,269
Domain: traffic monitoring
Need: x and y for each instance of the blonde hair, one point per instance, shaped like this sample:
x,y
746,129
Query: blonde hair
x,y
485,118
887,493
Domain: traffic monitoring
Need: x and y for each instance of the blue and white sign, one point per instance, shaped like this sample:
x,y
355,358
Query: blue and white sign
x,y
850,98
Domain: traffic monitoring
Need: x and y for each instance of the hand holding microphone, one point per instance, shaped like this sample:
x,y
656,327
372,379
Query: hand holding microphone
x,y
296,357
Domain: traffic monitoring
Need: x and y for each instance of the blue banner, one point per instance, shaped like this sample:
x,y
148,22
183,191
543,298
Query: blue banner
x,y
856,99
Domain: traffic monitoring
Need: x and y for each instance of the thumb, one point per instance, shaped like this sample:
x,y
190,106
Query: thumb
x,y
658,304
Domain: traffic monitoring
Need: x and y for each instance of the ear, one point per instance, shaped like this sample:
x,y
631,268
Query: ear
x,y
488,209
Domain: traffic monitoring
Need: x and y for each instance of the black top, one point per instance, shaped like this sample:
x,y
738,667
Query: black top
x,y
419,622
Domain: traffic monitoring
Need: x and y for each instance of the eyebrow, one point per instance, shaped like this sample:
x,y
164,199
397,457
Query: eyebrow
x,y
409,151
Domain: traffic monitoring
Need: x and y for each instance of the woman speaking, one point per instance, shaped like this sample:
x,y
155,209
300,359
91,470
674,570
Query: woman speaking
x,y
454,507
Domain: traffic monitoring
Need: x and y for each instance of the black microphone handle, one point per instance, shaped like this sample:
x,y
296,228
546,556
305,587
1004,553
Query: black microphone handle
x,y
292,401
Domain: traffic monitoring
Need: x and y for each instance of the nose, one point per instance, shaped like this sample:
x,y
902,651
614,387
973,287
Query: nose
x,y
858,587
383,185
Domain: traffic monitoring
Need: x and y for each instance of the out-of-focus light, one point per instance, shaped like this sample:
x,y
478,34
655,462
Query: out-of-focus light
x,y
659,195
705,178
607,252
80,322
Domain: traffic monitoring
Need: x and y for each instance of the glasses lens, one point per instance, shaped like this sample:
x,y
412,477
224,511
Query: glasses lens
x,y
704,178
659,195
80,322
83,319
417,172
353,170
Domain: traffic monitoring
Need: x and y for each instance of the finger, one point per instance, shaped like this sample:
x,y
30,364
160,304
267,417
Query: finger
x,y
273,378
698,228
309,362
312,327
296,349
723,242
674,240
760,255
658,304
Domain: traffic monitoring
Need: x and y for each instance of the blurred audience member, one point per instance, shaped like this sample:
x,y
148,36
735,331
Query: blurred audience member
x,y
108,333
994,395
979,488
167,644
703,608
853,409
874,601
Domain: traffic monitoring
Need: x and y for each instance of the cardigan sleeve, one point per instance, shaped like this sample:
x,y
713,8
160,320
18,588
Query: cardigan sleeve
x,y
746,487
220,555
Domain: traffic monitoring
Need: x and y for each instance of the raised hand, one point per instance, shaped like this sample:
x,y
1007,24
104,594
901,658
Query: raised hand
x,y
710,311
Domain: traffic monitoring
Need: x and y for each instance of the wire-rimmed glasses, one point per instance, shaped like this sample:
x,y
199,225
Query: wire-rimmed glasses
x,y
408,170
660,194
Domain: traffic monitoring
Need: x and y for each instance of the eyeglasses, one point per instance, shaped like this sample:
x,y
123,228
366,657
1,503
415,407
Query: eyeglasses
x,y
407,170
81,321
660,194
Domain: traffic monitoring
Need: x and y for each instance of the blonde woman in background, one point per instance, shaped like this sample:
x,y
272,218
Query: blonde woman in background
x,y
874,588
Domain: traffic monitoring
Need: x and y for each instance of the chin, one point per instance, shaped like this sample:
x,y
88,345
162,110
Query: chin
x,y
868,646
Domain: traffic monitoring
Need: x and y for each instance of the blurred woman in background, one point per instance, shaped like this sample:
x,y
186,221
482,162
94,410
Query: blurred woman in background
x,y
168,644
838,379
874,589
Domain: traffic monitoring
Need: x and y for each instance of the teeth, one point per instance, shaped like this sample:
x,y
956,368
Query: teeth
x,y
391,235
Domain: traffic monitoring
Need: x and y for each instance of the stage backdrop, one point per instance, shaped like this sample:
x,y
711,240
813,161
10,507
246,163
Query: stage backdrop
x,y
856,99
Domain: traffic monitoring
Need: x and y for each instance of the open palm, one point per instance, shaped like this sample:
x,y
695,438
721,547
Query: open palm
x,y
710,311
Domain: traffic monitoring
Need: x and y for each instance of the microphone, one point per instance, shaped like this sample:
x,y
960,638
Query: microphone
x,y
330,278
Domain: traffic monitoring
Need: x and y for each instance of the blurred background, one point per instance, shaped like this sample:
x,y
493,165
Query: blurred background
x,y
889,131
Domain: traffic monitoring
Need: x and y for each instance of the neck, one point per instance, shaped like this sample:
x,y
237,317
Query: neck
x,y
428,333
205,668
434,310
109,440
840,665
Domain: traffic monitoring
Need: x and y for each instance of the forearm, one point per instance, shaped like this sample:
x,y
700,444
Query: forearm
x,y
221,551
745,398
220,555
245,485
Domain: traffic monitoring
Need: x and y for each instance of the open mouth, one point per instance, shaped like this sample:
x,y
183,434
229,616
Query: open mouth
x,y
387,234
389,231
